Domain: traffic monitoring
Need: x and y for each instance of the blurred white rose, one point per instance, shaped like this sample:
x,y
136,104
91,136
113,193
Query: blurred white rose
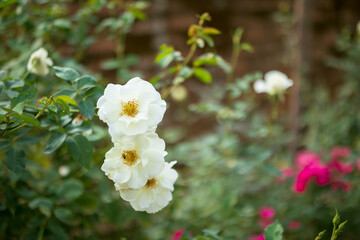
x,y
156,194
274,83
39,62
133,160
178,93
130,109
64,171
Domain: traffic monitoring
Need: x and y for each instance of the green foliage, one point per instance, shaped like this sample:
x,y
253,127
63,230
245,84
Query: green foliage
x,y
274,232
80,149
52,144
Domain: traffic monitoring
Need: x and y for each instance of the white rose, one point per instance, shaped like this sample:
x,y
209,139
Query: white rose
x,y
156,194
275,83
39,62
64,171
133,160
130,109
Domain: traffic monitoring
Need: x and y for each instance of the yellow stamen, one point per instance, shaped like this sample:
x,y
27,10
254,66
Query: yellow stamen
x,y
130,108
151,183
130,157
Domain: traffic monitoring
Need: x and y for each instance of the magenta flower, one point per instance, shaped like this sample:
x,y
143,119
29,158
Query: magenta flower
x,y
310,167
267,212
178,234
258,237
321,175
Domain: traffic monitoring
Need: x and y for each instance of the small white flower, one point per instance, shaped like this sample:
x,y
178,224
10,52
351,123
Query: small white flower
x,y
156,194
64,171
39,62
133,160
130,109
275,83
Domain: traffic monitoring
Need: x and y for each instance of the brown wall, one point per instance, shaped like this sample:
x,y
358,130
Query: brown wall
x,y
168,21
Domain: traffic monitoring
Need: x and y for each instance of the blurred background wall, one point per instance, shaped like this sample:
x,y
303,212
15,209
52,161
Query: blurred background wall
x,y
272,36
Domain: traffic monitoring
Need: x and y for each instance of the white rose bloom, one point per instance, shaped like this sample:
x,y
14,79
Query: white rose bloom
x,y
156,194
134,160
130,109
275,83
39,62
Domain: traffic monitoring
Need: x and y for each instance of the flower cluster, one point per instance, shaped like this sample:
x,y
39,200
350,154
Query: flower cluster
x,y
136,162
308,166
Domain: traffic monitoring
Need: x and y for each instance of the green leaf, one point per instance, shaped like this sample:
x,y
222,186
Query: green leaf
x,y
15,160
210,30
85,82
14,83
19,108
247,47
185,72
203,75
66,99
200,42
208,40
64,105
68,74
26,95
80,149
212,59
274,231
7,2
71,189
55,141
63,214
68,92
4,144
27,119
87,109
44,204
27,140
62,23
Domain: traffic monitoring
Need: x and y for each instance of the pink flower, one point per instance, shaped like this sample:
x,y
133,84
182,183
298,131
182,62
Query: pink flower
x,y
294,224
307,158
267,212
340,152
341,167
178,234
258,237
337,156
321,175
